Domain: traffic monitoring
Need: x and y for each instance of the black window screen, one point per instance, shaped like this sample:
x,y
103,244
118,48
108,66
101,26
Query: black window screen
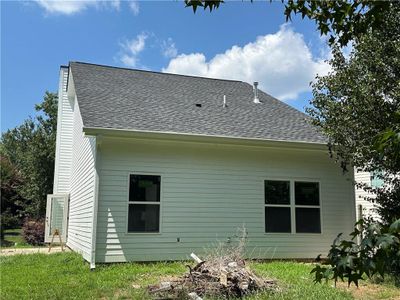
x,y
277,219
308,220
306,193
144,218
277,192
144,188
144,203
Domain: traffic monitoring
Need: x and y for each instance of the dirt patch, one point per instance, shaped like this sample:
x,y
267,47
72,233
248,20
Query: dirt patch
x,y
44,250
371,291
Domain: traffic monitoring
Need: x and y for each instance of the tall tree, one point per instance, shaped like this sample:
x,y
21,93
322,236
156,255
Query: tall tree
x,y
357,106
30,148
11,202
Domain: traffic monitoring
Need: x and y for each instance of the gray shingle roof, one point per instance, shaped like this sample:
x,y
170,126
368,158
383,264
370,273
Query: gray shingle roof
x,y
119,98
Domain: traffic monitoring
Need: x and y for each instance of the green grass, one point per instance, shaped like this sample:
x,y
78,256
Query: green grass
x,y
67,276
296,282
14,239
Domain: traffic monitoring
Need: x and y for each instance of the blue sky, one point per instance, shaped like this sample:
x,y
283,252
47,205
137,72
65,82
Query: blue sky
x,y
241,40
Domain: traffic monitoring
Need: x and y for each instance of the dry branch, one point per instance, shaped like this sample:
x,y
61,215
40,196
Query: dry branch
x,y
223,273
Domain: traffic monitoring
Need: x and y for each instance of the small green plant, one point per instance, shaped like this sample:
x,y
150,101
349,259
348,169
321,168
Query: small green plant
x,y
373,249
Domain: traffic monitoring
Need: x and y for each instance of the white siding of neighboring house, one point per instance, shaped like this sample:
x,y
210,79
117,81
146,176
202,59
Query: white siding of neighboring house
x,y
207,192
82,190
65,118
367,207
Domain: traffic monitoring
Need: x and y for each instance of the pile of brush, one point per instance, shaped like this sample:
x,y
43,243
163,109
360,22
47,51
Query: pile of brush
x,y
223,274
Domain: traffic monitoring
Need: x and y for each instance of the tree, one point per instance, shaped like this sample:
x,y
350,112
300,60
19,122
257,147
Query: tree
x,y
357,106
11,201
343,20
30,148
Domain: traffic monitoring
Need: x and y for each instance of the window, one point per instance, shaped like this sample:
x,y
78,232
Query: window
x,y
287,211
277,206
376,179
307,207
144,203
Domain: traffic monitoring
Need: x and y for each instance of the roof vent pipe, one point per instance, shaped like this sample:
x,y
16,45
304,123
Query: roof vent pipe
x,y
224,103
255,90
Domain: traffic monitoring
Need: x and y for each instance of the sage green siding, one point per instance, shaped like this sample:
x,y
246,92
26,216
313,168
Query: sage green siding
x,y
74,172
82,190
207,192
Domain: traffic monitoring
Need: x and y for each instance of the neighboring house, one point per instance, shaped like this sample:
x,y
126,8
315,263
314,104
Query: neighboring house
x,y
366,208
155,166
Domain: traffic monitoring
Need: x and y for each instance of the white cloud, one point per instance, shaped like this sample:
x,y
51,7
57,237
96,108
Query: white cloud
x,y
70,7
131,50
281,62
134,6
168,48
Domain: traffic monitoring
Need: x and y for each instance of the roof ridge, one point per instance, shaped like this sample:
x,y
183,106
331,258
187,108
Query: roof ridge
x,y
149,71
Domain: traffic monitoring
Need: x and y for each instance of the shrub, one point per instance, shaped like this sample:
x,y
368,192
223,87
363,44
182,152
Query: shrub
x,y
377,252
33,231
8,221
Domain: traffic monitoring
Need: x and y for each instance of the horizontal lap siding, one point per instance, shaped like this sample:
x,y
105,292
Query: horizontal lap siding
x,y
207,193
65,120
80,225
362,195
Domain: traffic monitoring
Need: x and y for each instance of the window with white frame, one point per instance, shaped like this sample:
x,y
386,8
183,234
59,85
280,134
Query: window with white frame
x,y
277,206
292,206
144,203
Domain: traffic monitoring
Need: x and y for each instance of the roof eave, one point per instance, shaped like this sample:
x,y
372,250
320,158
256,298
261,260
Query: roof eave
x,y
191,137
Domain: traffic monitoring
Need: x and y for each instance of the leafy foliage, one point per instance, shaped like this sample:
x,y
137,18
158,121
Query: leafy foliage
x,y
11,201
212,4
376,252
342,20
357,106
30,149
387,199
33,231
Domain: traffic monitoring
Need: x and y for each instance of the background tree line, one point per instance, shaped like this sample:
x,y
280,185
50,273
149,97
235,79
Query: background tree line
x,y
27,154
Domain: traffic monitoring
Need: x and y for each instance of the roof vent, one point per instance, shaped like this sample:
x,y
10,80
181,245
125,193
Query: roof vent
x,y
224,103
255,90
198,104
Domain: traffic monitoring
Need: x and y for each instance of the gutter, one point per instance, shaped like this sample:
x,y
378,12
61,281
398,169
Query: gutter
x,y
202,138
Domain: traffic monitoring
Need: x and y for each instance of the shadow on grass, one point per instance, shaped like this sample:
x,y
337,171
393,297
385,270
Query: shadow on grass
x,y
5,243
13,233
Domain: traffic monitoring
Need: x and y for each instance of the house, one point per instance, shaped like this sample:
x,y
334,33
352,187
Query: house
x,y
153,166
366,208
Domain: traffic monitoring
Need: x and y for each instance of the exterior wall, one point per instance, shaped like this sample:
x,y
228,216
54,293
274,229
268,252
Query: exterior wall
x,y
207,192
367,207
82,190
65,120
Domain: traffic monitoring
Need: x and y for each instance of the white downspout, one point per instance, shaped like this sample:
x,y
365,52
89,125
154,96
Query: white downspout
x,y
96,201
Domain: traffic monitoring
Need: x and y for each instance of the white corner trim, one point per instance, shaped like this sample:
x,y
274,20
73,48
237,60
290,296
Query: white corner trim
x,y
95,208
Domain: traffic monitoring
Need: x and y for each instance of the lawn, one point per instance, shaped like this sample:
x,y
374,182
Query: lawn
x,y
14,239
67,276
